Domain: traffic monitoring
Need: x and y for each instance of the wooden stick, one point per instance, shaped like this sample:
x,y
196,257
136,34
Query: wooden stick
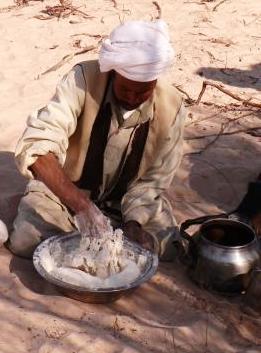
x,y
226,91
156,4
247,131
217,113
88,34
84,14
189,99
220,3
114,4
99,37
21,2
67,58
43,18
85,50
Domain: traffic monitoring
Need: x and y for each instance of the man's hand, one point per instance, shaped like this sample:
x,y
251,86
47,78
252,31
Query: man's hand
x,y
92,222
134,232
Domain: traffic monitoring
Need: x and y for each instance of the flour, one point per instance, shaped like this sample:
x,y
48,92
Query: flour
x,y
130,272
102,262
103,254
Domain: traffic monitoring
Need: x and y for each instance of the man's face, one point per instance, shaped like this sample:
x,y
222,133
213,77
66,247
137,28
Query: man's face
x,y
130,94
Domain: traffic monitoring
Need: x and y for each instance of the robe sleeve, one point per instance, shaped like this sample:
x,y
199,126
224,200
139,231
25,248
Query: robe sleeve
x,y
143,202
48,129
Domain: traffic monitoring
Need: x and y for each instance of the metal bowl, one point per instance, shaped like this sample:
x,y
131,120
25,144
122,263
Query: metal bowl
x,y
102,295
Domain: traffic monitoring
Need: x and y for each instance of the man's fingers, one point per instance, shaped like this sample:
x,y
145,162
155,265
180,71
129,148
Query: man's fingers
x,y
92,223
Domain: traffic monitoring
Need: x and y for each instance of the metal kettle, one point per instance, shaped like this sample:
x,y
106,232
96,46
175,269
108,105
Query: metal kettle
x,y
223,253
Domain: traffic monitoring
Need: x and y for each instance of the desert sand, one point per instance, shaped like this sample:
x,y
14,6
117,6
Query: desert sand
x,y
218,41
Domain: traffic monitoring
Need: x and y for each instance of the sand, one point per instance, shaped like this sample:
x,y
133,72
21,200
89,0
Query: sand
x,y
170,313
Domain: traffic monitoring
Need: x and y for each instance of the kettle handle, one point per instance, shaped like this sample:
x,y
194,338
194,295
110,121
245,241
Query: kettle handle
x,y
189,222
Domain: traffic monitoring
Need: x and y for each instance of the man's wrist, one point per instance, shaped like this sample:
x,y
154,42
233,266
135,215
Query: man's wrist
x,y
79,202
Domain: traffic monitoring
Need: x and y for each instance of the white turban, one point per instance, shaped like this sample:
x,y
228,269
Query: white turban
x,y
137,50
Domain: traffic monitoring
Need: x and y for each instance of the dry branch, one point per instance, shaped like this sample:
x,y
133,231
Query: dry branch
x,y
42,18
66,2
114,4
100,37
116,327
220,3
207,326
224,41
189,100
18,3
64,10
247,131
67,58
226,91
156,4
7,8
212,58
24,2
251,112
21,2
173,340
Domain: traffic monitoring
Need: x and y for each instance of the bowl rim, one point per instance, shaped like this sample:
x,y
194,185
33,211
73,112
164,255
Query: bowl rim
x,y
43,273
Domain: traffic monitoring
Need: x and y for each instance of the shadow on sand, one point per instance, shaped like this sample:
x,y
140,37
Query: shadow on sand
x,y
234,77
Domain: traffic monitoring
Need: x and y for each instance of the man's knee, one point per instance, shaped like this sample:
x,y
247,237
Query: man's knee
x,y
24,240
40,215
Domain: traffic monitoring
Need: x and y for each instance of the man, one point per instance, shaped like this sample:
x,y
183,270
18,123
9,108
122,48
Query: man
x,y
110,136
